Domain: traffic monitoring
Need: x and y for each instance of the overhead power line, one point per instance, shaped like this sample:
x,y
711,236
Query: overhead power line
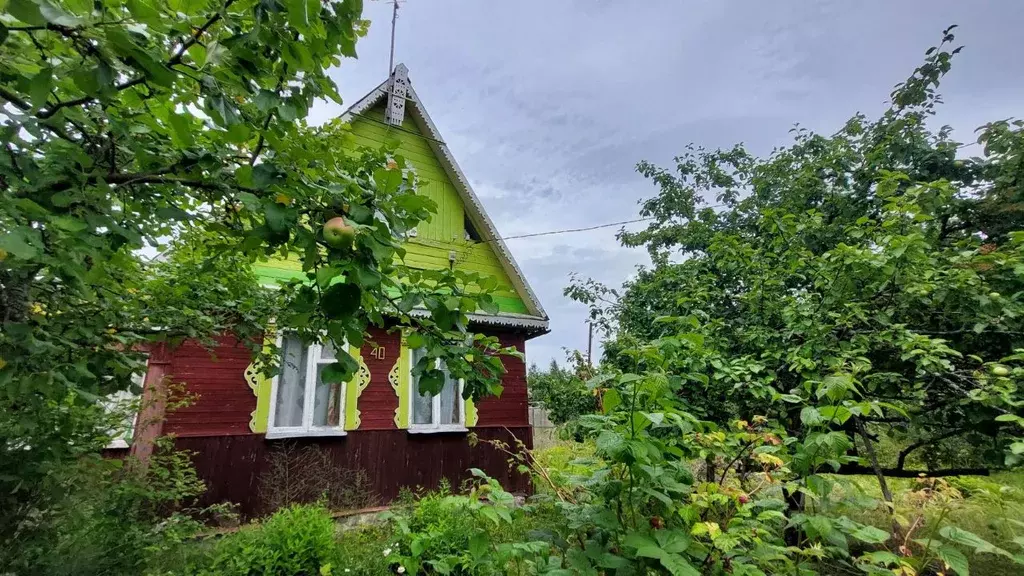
x,y
568,230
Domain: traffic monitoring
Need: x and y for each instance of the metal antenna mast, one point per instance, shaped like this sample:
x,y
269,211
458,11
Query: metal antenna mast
x,y
394,19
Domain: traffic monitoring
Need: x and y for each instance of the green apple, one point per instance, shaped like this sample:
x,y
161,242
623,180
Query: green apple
x,y
338,233
1000,370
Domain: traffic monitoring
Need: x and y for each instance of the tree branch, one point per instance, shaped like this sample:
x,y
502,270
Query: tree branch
x,y
266,123
906,451
14,99
877,470
857,469
175,59
158,177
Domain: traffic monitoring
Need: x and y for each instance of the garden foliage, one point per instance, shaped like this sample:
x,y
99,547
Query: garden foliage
x,y
127,124
879,261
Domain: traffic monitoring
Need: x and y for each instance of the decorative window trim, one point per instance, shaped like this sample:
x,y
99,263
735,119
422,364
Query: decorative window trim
x,y
400,377
435,407
307,429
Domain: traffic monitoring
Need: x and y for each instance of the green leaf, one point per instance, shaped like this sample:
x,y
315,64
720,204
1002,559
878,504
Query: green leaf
x,y
611,400
55,15
181,133
153,69
639,540
693,338
416,546
143,11
971,540
42,83
837,414
810,416
655,418
488,305
325,275
342,370
298,15
341,301
414,340
955,559
388,180
22,242
267,100
598,380
27,11
265,175
279,218
609,442
870,534
222,110
609,560
677,565
69,223
673,541
479,544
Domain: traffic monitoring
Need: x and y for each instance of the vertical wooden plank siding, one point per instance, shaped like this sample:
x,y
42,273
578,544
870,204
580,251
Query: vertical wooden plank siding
x,y
445,231
221,401
232,466
512,407
230,458
379,402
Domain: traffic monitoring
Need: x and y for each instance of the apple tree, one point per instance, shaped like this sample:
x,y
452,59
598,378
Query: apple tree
x,y
127,124
868,285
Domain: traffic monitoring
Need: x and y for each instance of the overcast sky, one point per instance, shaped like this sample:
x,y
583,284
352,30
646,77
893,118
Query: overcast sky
x,y
548,106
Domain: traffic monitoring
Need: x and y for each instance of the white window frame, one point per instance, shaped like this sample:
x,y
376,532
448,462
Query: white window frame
x,y
307,429
435,406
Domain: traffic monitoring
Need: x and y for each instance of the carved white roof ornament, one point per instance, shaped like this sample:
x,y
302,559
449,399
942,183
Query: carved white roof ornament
x,y
536,317
398,92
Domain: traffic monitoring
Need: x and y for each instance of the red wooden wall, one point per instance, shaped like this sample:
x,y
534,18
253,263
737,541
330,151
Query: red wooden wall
x,y
230,458
214,380
222,402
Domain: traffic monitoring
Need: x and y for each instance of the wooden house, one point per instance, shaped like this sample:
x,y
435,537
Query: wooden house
x,y
378,423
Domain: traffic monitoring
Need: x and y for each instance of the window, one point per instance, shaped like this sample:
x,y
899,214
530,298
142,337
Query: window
x,y
126,403
301,404
443,412
471,234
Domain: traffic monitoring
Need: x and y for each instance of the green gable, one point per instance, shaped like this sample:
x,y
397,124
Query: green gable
x,y
444,232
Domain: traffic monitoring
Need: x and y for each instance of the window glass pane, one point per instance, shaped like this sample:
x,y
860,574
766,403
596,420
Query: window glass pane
x,y
125,404
450,400
327,350
291,383
327,402
422,405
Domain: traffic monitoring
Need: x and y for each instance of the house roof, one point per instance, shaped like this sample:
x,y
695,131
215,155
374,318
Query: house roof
x,y
537,317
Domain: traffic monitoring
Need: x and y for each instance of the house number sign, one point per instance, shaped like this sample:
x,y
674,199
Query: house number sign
x,y
379,353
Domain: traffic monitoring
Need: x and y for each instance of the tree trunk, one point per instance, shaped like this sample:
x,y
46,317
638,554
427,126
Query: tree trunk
x,y
897,530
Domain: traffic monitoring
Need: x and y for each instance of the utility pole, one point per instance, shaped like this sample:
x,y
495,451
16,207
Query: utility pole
x,y
590,345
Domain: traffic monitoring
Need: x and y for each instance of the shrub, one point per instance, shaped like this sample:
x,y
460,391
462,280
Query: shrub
x,y
112,517
308,474
562,392
480,533
297,540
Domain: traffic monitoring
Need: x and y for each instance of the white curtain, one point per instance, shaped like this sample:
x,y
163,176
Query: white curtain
x,y
291,386
422,405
